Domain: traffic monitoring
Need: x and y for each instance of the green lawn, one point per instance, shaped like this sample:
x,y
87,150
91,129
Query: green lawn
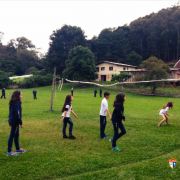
x,y
146,148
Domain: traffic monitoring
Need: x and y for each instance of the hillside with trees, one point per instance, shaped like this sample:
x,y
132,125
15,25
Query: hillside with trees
x,y
157,34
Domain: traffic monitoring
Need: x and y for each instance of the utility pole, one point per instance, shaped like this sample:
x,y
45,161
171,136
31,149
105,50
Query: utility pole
x,y
54,78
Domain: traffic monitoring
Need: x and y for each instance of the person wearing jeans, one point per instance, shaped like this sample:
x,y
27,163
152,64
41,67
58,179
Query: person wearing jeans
x,y
66,111
15,120
103,111
117,118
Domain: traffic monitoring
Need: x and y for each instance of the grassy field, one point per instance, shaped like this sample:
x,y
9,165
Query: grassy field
x,y
146,148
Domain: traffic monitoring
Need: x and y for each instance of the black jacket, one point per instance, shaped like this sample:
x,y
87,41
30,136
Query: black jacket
x,y
118,112
34,92
3,91
15,117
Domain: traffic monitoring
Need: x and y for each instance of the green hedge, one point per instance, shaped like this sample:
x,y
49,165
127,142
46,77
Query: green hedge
x,y
36,80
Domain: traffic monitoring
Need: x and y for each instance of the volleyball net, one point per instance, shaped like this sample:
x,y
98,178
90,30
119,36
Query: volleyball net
x,y
139,87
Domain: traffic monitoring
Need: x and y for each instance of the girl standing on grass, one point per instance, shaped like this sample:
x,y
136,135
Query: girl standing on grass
x,y
67,110
163,112
117,118
15,119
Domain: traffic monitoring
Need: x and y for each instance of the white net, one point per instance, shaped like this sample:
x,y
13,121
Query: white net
x,y
154,87
134,82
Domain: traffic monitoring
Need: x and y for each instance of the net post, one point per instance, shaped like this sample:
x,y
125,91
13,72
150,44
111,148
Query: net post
x,y
54,76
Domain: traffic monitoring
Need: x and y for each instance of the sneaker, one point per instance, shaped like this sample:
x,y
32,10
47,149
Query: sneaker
x,y
159,124
106,137
11,154
72,137
116,149
21,150
65,136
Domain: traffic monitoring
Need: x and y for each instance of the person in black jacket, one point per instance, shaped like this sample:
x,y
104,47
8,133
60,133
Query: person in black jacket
x,y
95,91
34,93
117,118
3,93
15,119
100,92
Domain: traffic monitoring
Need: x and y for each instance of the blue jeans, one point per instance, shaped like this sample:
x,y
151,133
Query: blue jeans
x,y
116,125
14,134
102,125
69,121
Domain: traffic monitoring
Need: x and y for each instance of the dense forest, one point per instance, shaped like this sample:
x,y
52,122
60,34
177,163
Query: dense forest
x,y
157,34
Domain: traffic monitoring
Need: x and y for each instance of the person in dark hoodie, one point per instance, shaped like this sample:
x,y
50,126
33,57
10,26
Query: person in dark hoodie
x,y
95,92
3,93
15,120
100,92
34,93
117,118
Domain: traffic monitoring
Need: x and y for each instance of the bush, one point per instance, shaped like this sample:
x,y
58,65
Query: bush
x,y
4,79
36,80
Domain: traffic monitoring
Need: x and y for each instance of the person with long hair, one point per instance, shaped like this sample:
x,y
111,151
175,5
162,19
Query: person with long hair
x,y
163,112
15,120
117,118
67,110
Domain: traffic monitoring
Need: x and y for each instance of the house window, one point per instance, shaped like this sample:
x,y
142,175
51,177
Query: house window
x,y
102,68
127,68
111,68
124,68
97,68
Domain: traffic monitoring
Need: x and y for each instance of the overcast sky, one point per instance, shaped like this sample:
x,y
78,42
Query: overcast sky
x,y
36,20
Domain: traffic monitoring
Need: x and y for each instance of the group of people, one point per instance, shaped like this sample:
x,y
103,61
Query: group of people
x,y
116,117
15,119
100,92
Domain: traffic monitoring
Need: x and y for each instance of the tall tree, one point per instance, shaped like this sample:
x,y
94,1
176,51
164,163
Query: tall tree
x,y
80,64
24,43
62,41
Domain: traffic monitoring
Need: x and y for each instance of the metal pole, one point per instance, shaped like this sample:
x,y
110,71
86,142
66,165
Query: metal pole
x,y
54,76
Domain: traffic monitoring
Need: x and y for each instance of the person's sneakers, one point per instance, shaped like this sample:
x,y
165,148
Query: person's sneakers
x,y
11,154
65,136
72,137
21,150
159,124
106,137
116,149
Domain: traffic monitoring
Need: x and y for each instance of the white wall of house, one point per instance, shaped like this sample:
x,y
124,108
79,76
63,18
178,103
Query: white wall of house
x,y
107,70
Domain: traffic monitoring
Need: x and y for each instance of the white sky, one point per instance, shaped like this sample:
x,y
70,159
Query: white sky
x,y
36,20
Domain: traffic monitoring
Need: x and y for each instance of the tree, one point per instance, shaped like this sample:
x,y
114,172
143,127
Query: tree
x,y
24,43
156,70
133,58
111,45
121,77
24,60
62,41
80,64
4,79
